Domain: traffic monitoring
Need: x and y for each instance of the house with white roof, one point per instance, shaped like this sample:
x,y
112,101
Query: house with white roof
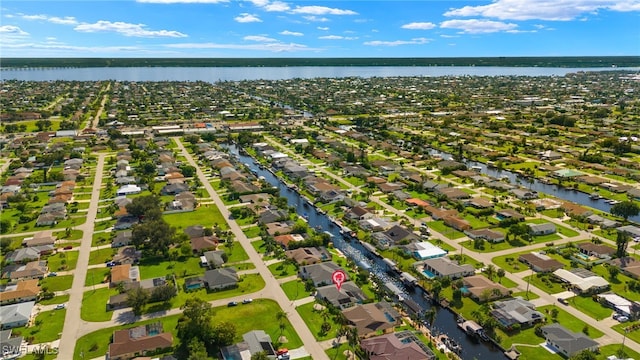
x,y
582,280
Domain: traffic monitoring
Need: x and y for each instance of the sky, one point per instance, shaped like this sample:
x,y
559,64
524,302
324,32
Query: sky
x,y
310,28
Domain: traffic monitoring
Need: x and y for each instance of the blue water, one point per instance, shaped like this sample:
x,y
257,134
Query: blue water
x,y
429,274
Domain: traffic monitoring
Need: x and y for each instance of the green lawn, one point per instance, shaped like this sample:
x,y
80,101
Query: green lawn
x,y
97,276
234,251
252,232
48,327
57,283
587,305
62,261
153,267
314,321
101,256
101,239
613,349
94,304
550,287
260,314
570,322
523,294
55,300
259,246
206,215
449,232
294,289
283,269
73,235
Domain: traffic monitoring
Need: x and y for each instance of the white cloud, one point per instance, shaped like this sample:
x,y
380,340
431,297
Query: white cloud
x,y
475,26
315,18
291,33
259,3
337,37
419,26
271,47
414,41
322,10
126,29
556,10
247,18
449,36
60,46
182,1
277,6
323,28
259,38
67,20
12,30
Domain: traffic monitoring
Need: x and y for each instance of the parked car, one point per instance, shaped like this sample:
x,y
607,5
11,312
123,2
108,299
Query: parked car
x,y
68,247
111,264
563,301
622,318
232,303
52,274
59,307
247,301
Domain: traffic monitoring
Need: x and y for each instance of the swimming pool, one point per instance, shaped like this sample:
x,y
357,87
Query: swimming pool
x,y
428,274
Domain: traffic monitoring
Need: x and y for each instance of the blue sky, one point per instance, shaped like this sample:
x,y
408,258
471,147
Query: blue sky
x,y
309,28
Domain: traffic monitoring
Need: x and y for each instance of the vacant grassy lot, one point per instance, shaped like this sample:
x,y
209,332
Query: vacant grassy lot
x,y
314,320
97,276
55,300
94,304
153,267
294,289
587,305
449,232
550,287
57,283
283,269
101,256
48,326
206,215
252,232
234,251
62,261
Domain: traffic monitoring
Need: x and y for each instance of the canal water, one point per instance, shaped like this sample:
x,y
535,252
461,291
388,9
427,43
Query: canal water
x,y
551,189
446,322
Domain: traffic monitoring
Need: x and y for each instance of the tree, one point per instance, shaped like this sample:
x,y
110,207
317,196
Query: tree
x,y
500,273
621,243
137,298
625,209
613,272
584,355
163,293
260,356
430,317
188,170
195,322
140,206
156,236
197,350
490,270
223,334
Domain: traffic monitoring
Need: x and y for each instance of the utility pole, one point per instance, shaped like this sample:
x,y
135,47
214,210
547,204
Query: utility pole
x,y
529,281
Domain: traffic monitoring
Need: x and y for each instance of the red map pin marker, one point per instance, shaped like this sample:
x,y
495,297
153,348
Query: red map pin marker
x,y
338,277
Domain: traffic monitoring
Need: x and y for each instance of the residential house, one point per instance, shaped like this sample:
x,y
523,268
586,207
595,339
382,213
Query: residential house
x,y
320,273
399,234
540,262
509,214
203,243
213,259
121,238
567,342
359,213
285,240
375,224
125,222
128,189
444,267
194,231
400,345
219,279
124,274
621,305
118,301
604,223
582,281
348,295
11,346
597,250
23,255
31,270
138,341
542,229
308,255
194,283
22,291
516,311
628,265
479,203
631,230
279,228
252,343
452,193
41,238
270,216
127,255
489,235
457,223
369,319
424,250
524,194
15,315
174,189
482,289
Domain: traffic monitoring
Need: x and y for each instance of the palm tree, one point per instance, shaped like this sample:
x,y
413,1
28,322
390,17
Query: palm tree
x,y
430,317
490,270
281,316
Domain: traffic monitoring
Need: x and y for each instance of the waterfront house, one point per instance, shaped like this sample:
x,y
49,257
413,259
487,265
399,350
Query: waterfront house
x,y
567,342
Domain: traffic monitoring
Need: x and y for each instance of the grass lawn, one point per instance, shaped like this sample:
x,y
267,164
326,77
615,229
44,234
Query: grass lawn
x,y
260,314
536,352
252,232
94,304
55,300
74,235
590,307
449,232
57,283
259,246
101,256
619,284
510,262
206,215
235,252
570,322
100,239
62,261
550,287
523,294
314,321
283,269
294,289
96,276
48,327
153,267
242,266
613,349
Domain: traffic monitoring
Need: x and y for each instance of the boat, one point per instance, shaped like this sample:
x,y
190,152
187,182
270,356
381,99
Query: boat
x,y
595,196
613,202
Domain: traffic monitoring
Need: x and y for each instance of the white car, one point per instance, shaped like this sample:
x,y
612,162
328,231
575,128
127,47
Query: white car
x,y
60,307
622,319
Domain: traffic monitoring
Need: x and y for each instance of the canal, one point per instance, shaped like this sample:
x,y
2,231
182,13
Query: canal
x,y
445,322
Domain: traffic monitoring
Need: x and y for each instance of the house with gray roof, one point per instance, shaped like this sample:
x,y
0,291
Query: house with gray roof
x,y
444,267
516,311
348,295
11,346
16,315
567,342
219,279
542,229
320,274
252,343
212,259
22,255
